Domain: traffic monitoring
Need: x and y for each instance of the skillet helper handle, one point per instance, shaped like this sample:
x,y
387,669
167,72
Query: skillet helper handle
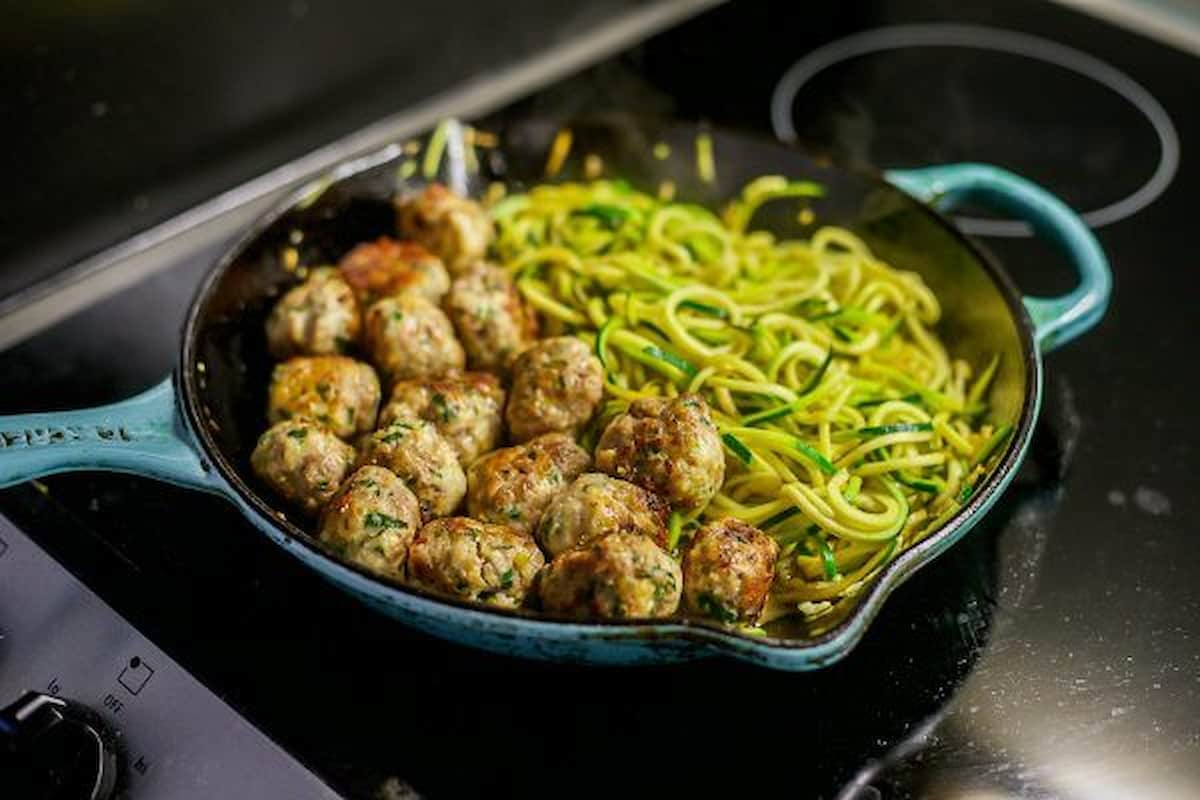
x,y
142,435
1056,320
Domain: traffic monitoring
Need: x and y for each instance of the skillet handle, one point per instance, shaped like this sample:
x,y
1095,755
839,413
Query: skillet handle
x,y
1056,320
142,435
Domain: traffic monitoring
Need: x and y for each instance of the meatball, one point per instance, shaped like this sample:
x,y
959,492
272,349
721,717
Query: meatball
x,y
620,575
454,227
302,462
317,318
385,267
669,446
491,318
465,409
513,486
340,393
596,505
493,564
371,520
406,336
727,571
417,453
556,386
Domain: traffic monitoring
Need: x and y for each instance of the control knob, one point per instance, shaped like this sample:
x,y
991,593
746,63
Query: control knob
x,y
55,749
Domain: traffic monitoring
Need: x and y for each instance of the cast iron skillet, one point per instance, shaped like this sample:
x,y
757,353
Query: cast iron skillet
x,y
197,429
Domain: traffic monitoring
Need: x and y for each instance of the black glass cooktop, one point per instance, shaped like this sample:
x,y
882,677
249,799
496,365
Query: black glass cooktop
x,y
118,117
1055,652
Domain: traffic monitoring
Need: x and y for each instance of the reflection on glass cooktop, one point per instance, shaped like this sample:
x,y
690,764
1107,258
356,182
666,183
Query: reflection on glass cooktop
x,y
1051,654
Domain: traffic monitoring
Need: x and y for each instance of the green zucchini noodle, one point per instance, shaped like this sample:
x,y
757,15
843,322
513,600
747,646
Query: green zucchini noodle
x,y
851,433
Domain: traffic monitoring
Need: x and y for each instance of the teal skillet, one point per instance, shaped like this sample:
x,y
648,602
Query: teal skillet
x,y
197,427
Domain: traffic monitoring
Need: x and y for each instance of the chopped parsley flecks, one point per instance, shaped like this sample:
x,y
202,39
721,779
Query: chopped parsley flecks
x,y
298,433
714,608
395,433
444,410
506,579
377,519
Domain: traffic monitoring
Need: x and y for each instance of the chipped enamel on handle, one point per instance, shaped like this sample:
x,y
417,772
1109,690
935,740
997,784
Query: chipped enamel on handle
x,y
142,435
1056,320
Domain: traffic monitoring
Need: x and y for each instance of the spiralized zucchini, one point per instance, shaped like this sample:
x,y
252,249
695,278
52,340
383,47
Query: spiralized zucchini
x,y
851,433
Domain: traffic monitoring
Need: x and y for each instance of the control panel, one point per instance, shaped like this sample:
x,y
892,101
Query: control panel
x,y
89,708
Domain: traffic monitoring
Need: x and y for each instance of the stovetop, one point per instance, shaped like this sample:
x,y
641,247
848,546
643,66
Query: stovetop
x,y
1050,654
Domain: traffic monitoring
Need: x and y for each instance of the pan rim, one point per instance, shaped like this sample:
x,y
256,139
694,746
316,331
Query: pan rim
x,y
835,641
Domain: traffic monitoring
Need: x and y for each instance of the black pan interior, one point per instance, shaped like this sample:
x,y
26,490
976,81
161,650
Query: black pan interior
x,y
226,369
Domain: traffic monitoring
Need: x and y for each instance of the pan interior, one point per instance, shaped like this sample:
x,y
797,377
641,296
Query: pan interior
x,y
227,368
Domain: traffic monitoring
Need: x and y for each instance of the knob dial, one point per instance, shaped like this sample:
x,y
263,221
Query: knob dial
x,y
53,749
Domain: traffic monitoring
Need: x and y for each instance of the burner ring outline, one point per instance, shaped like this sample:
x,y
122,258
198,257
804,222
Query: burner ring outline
x,y
899,37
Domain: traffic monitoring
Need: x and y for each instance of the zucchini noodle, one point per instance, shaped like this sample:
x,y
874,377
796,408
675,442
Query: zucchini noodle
x,y
850,432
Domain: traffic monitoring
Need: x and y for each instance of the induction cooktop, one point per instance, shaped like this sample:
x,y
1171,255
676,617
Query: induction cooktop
x,y
1053,653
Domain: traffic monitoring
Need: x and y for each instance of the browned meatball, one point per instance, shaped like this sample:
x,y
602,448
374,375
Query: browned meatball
x,y
317,318
416,452
556,385
596,505
302,461
340,393
727,571
371,521
464,408
454,227
513,486
668,446
492,564
385,267
406,336
621,575
491,317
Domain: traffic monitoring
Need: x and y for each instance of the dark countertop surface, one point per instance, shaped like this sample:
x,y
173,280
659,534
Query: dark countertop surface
x,y
1055,652
118,116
